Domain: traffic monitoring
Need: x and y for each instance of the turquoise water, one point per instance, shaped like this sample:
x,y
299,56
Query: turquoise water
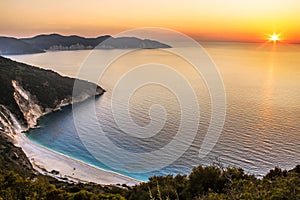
x,y
261,130
62,138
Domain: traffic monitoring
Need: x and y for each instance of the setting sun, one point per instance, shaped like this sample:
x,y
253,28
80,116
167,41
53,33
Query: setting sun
x,y
274,37
204,20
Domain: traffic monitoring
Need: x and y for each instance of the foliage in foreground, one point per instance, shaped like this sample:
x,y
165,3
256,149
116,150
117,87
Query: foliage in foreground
x,y
203,183
15,187
215,183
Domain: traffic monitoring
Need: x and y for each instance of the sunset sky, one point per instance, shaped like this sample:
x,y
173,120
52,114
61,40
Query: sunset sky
x,y
249,20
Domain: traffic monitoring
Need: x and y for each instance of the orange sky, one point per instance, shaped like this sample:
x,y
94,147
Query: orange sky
x,y
249,20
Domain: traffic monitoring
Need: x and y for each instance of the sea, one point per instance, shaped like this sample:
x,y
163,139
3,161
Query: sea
x,y
157,109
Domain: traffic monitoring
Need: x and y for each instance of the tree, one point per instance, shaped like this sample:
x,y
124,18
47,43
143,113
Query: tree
x,y
204,178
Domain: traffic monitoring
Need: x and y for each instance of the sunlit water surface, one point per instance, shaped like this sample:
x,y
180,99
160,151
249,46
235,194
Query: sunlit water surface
x,y
261,130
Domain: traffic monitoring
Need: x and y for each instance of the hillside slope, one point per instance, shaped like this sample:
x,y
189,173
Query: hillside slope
x,y
27,93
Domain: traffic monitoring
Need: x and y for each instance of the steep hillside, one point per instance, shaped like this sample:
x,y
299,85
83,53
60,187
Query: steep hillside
x,y
27,93
13,158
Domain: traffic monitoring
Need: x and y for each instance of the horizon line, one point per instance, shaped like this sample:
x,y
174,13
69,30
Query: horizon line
x,y
197,38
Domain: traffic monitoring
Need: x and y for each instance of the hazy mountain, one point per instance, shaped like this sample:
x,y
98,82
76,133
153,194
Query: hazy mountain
x,y
131,43
10,45
59,42
56,42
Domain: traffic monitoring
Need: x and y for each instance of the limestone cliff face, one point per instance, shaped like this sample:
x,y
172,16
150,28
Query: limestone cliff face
x,y
31,109
27,104
6,123
9,123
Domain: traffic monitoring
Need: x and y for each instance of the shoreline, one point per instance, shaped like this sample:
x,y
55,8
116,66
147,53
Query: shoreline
x,y
66,168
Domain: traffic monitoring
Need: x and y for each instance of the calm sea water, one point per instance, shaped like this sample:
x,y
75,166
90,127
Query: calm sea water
x,y
261,130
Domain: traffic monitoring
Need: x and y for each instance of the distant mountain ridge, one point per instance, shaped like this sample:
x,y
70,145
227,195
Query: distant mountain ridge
x,y
48,42
9,45
56,42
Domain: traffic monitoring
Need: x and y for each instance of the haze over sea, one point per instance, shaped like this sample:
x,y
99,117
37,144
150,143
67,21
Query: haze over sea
x,y
263,107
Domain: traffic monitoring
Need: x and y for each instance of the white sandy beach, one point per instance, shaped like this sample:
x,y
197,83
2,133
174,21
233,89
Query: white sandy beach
x,y
44,159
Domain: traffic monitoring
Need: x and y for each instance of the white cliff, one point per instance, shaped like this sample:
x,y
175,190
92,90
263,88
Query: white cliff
x,y
8,122
31,109
5,121
27,104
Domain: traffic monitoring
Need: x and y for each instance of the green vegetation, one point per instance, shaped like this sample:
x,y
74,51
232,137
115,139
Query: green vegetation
x,y
231,183
214,183
13,186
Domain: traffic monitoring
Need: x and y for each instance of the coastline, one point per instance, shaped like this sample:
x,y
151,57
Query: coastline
x,y
68,169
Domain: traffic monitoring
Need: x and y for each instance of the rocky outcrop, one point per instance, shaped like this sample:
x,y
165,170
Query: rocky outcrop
x,y
8,123
27,104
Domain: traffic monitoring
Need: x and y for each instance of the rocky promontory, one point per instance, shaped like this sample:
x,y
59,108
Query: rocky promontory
x,y
28,93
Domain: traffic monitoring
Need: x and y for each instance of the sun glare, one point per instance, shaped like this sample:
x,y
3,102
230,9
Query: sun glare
x,y
274,37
